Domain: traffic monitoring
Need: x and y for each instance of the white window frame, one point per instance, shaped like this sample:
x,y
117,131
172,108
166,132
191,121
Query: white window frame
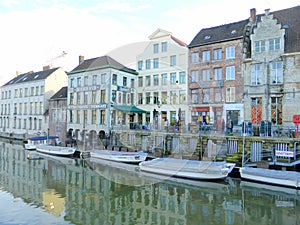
x,y
230,73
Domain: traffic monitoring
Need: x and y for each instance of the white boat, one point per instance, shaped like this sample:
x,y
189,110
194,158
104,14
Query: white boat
x,y
192,169
124,157
276,177
55,150
32,142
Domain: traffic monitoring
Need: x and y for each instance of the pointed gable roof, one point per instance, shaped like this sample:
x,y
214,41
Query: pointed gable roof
x,y
31,76
61,94
101,63
159,33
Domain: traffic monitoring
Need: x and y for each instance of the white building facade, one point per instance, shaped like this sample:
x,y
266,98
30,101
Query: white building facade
x,y
100,98
25,101
162,81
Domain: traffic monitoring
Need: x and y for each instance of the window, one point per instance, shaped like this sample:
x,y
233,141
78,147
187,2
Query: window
x,y
182,97
155,63
230,94
230,73
113,95
173,60
164,46
37,90
103,78
256,74
218,54
205,75
102,117
155,80
78,98
42,90
173,78
71,98
256,110
164,79
182,77
148,81
276,110
218,73
86,81
85,116
114,79
140,81
173,97
206,97
195,96
140,98
276,73
155,48
218,95
94,116
164,97
94,79
155,97
103,96
274,44
94,97
78,116
132,83
147,97
206,56
78,81
85,97
124,81
195,57
195,76
230,52
140,65
148,64
259,46
72,83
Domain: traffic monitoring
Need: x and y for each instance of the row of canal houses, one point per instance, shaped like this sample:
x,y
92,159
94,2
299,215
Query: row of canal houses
x,y
246,71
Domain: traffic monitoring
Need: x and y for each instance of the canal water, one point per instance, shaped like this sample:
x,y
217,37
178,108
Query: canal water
x,y
57,190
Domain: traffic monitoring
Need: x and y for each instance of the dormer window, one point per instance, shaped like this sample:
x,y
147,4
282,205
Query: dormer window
x,y
233,32
36,76
207,37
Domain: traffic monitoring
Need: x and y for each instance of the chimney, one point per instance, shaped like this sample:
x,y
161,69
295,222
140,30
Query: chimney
x,y
267,11
252,15
18,73
81,59
48,67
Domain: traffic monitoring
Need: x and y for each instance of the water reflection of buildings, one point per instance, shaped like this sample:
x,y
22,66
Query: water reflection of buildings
x,y
74,191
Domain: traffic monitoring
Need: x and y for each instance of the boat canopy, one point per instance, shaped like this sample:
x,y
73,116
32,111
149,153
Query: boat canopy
x,y
41,138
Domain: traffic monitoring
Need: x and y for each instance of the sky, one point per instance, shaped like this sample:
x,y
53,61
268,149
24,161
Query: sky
x,y
36,33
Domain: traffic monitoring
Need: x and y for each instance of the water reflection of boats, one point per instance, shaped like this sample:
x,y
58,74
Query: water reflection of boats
x,y
125,157
128,174
192,169
269,189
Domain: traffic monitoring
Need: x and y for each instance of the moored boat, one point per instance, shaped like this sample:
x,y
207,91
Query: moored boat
x,y
192,169
117,156
55,150
275,177
32,142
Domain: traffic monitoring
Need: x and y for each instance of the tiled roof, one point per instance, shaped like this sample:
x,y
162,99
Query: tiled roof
x,y
219,34
287,17
30,76
62,93
290,18
101,62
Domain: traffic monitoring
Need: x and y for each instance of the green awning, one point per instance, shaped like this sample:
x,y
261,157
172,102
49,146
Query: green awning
x,y
129,108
